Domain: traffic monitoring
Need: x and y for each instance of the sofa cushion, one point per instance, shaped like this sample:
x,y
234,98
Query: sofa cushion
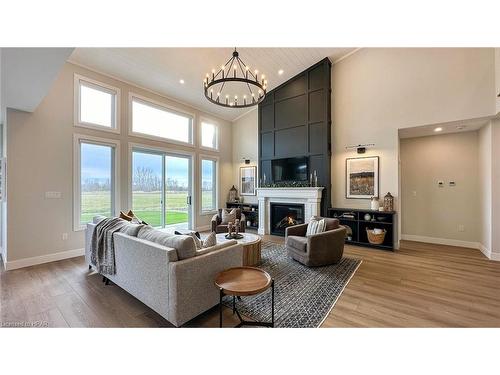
x,y
218,246
316,225
185,246
297,242
228,216
132,229
331,223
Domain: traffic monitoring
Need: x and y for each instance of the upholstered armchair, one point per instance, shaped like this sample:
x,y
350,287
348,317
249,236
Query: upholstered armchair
x,y
217,225
319,249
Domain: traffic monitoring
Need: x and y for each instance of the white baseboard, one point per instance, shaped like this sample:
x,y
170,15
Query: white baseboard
x,y
441,241
26,262
485,251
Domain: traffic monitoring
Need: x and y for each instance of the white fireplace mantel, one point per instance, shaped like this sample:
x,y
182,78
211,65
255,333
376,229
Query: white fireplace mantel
x,y
310,197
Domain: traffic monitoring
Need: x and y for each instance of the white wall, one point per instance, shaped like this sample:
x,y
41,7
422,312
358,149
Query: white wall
x,y
485,187
433,213
497,78
40,149
495,190
245,145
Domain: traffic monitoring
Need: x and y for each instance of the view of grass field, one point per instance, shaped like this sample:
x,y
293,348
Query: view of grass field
x,y
146,205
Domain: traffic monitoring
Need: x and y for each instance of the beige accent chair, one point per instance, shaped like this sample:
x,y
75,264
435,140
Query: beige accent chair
x,y
217,225
319,249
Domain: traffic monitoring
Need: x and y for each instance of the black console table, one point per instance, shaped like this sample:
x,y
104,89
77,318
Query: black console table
x,y
355,219
250,210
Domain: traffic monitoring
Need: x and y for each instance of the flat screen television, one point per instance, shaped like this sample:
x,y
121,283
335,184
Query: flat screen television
x,y
290,169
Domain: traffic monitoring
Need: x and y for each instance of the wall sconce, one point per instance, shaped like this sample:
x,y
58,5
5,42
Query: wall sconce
x,y
360,149
246,160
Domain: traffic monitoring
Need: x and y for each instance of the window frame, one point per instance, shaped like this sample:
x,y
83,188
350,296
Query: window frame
x,y
104,87
200,136
161,106
141,147
115,189
215,159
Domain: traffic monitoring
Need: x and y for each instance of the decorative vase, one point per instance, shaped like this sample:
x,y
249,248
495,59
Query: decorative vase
x,y
315,177
374,204
368,217
388,202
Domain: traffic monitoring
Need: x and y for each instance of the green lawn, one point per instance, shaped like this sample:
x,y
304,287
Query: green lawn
x,y
147,206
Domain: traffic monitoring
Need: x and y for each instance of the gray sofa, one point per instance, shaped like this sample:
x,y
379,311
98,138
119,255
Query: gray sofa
x,y
178,290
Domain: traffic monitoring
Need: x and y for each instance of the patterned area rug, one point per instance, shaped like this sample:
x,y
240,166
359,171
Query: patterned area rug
x,y
303,296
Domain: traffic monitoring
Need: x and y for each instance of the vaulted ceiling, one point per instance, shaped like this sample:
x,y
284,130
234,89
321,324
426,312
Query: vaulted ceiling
x,y
161,69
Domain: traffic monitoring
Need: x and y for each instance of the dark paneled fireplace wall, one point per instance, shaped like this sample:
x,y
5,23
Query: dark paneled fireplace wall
x,y
295,120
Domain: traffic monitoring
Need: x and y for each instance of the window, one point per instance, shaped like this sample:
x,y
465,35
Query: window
x,y
208,185
209,135
157,121
95,177
96,104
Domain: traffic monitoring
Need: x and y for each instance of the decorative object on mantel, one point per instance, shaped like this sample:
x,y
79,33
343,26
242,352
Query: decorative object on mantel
x,y
362,177
233,194
388,202
368,217
248,180
290,184
315,179
375,204
237,75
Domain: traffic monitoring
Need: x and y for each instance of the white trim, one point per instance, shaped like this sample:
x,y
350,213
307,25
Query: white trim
x,y
130,83
161,106
164,151
488,253
77,138
33,261
347,55
77,109
342,291
199,137
217,183
441,241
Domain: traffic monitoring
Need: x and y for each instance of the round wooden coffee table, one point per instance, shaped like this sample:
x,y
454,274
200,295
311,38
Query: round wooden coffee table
x,y
244,281
251,247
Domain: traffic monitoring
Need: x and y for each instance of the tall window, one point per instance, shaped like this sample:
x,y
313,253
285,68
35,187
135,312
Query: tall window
x,y
96,104
95,189
157,121
208,185
209,135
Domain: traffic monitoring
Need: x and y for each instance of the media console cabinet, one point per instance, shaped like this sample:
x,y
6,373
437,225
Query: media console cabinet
x,y
355,219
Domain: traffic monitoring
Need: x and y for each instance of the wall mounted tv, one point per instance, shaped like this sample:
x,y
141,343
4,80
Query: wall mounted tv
x,y
290,169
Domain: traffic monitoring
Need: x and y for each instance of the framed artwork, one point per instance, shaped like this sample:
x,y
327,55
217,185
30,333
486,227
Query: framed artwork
x,y
248,180
362,177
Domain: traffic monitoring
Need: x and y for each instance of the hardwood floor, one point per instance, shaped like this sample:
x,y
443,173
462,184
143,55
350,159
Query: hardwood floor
x,y
420,285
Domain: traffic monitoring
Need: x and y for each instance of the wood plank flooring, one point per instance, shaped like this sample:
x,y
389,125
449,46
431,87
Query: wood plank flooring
x,y
420,285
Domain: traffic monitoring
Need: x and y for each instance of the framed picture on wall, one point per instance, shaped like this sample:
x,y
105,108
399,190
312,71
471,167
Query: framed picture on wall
x,y
248,180
362,177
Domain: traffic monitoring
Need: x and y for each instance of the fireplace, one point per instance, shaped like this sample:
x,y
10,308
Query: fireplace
x,y
284,215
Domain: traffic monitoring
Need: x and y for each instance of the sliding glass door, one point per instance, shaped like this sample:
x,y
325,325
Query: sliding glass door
x,y
162,188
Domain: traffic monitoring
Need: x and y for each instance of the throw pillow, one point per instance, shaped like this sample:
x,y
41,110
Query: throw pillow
x,y
197,234
210,241
125,216
316,225
228,216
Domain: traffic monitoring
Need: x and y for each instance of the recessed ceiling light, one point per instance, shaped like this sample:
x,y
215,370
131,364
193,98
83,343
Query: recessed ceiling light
x,y
438,130
280,72
181,81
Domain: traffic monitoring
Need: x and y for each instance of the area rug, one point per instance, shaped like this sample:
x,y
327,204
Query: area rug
x,y
303,296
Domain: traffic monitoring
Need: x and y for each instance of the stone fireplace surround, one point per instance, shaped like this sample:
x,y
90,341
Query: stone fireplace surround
x,y
310,197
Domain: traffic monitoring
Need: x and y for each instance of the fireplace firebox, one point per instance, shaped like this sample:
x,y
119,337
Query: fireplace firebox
x,y
284,215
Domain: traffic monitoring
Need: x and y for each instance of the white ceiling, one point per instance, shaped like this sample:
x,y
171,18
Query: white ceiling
x,y
161,69
447,128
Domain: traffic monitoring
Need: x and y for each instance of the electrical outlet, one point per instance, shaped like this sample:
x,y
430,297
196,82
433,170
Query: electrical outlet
x,y
461,228
53,195
441,184
65,236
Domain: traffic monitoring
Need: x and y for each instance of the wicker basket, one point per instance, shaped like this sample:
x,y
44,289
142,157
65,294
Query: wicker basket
x,y
375,239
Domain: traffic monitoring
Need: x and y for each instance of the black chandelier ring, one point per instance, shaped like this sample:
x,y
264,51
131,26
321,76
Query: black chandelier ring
x,y
234,67
226,102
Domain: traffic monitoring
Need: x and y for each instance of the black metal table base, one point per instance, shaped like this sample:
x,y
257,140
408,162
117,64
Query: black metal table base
x,y
244,322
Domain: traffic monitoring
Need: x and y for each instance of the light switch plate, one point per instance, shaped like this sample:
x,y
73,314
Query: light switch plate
x,y
53,195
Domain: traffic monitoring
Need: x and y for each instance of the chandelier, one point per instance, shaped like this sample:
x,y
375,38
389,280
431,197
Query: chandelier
x,y
234,85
